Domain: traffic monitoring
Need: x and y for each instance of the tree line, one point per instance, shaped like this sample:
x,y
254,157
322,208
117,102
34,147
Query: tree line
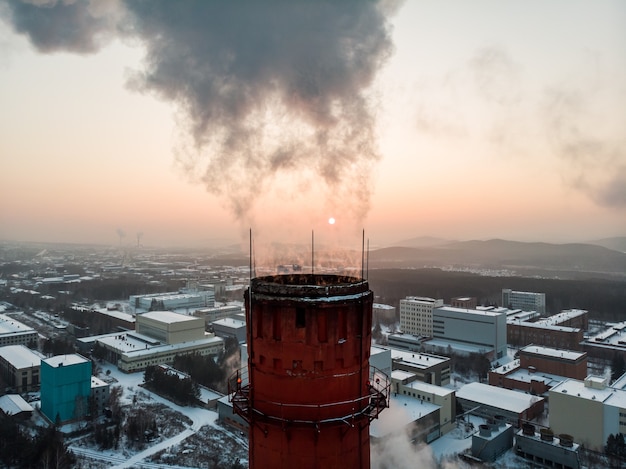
x,y
603,298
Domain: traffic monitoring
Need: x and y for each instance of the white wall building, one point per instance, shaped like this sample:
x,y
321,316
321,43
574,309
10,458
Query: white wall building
x,y
169,327
600,410
526,301
485,330
416,315
20,368
174,300
13,332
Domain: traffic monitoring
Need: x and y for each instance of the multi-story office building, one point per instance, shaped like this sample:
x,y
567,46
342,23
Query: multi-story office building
x,y
526,301
416,315
484,329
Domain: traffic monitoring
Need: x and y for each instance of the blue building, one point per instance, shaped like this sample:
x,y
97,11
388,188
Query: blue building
x,y
65,387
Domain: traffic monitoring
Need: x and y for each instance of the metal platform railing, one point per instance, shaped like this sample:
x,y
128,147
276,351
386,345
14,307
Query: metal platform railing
x,y
368,406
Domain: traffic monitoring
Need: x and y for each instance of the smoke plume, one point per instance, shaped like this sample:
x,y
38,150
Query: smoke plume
x,y
596,165
262,89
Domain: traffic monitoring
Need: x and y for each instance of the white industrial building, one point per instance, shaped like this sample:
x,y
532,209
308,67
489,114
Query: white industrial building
x,y
99,395
416,315
491,401
383,313
173,300
600,410
13,332
218,312
20,368
481,330
158,338
526,301
230,327
170,327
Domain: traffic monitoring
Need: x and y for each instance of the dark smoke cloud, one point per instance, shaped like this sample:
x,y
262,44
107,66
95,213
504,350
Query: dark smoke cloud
x,y
55,26
262,87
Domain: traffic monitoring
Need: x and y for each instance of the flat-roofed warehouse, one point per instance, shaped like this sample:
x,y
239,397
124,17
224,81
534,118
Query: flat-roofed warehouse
x,y
13,332
20,367
158,338
489,401
169,327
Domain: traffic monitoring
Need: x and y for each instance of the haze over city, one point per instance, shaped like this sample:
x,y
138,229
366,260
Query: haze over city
x,y
191,122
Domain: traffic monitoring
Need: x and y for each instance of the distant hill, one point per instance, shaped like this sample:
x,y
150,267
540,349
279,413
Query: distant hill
x,y
422,242
502,254
617,243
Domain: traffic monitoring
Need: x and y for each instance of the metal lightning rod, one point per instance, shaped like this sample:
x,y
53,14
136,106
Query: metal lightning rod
x,y
367,269
363,256
312,253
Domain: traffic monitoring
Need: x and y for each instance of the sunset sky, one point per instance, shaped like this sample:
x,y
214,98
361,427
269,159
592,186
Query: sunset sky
x,y
454,119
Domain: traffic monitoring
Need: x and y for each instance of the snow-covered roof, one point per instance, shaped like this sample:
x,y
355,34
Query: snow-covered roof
x,y
526,376
575,387
430,388
517,315
506,368
8,325
400,375
477,312
20,356
13,404
494,396
128,341
550,327
402,411
97,383
168,317
420,299
416,359
114,313
553,353
230,322
173,347
562,316
443,344
65,360
614,334
620,383
382,306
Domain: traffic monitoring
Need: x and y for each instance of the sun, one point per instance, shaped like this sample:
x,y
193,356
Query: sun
x,y
331,221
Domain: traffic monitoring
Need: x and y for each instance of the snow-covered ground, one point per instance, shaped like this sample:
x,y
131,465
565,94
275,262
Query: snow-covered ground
x,y
175,448
197,431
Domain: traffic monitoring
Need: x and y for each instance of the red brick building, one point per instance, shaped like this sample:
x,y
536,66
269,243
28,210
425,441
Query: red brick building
x,y
560,337
565,363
